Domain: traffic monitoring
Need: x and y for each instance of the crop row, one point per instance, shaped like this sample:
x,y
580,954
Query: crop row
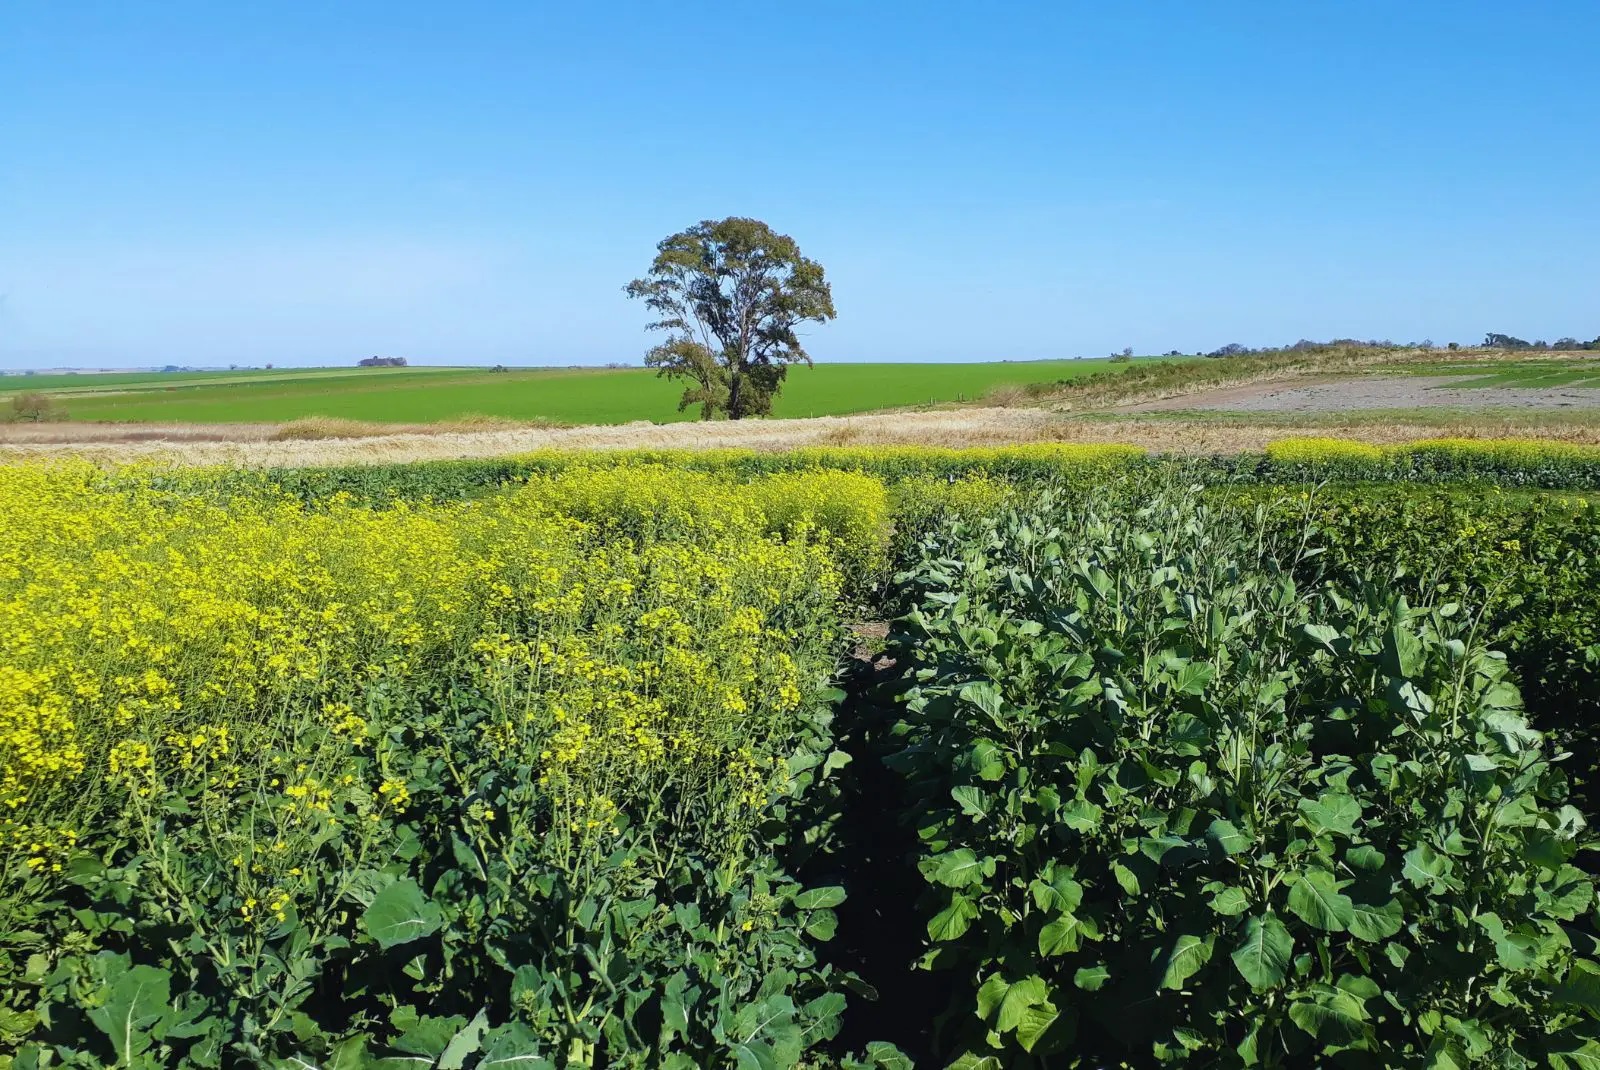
x,y
518,781
1173,804
1503,462
411,766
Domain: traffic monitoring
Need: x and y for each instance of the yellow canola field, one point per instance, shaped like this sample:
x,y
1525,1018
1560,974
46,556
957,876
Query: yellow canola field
x,y
631,627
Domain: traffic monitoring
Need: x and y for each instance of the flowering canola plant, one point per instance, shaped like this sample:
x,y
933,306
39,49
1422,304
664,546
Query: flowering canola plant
x,y
242,717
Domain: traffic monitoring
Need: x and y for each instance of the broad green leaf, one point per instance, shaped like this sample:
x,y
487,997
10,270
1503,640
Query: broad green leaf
x,y
350,1054
1317,901
1262,957
1061,894
429,1035
822,925
464,1043
973,1061
1333,1016
1125,877
1091,978
1019,998
987,760
1035,1024
1195,677
886,1056
1366,857
1581,987
513,1047
1402,652
970,799
754,1055
989,995
1444,1053
1575,1054
819,898
826,1006
1226,837
137,1000
957,869
1373,923
984,695
1332,811
1060,936
1424,866
1231,901
1515,950
954,920
1081,815
1321,633
1184,959
400,913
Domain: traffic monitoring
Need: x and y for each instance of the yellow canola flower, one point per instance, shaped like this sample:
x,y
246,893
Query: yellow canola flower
x,y
639,625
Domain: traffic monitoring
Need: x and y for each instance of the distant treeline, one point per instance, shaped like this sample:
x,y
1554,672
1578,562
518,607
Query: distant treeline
x,y
1508,341
1490,341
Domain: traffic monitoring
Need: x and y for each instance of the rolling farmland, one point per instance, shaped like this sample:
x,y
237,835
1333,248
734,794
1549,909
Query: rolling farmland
x,y
561,395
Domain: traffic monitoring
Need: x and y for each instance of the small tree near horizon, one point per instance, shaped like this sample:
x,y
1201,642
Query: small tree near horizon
x,y
33,407
730,294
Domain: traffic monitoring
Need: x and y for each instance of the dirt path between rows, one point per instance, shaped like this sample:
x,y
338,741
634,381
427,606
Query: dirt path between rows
x,y
1336,395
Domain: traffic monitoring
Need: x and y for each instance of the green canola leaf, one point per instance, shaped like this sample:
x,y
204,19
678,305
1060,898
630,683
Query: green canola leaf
x,y
1374,923
464,1043
1332,811
970,799
399,914
1332,1016
138,999
819,898
956,869
1189,953
1262,957
1317,901
1091,978
1226,837
1061,936
1582,987
1028,993
1195,677
514,1046
984,695
1321,633
1366,857
1424,866
954,920
1081,815
1231,901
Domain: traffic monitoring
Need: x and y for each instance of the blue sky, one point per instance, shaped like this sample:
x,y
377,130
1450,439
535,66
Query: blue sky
x,y
203,183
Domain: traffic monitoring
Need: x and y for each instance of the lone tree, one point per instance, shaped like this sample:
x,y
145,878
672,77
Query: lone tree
x,y
34,407
730,294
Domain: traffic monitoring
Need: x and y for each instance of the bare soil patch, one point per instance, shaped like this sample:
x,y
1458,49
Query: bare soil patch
x,y
1337,395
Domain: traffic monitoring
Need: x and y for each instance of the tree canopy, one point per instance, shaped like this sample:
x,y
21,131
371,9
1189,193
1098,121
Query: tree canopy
x,y
730,294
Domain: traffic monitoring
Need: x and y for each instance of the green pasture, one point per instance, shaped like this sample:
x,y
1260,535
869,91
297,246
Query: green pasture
x,y
1533,373
566,395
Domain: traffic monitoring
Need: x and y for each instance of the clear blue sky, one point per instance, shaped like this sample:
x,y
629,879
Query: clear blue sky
x,y
202,183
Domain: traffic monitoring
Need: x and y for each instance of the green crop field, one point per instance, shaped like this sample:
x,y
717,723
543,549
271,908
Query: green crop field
x,y
1533,373
566,395
1274,759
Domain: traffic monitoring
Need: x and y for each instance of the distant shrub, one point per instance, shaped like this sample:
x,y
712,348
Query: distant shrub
x,y
31,406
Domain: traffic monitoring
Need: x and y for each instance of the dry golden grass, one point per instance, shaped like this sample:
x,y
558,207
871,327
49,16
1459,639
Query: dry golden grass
x,y
319,428
256,445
